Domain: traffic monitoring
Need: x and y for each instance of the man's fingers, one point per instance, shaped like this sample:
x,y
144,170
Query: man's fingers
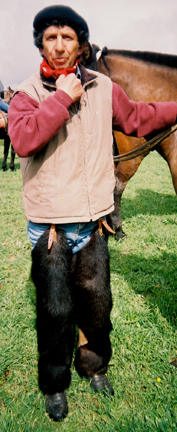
x,y
71,85
60,79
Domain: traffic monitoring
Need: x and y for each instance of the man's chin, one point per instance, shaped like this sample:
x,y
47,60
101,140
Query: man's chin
x,y
61,65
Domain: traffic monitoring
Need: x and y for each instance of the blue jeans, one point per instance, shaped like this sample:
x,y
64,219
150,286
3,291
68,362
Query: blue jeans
x,y
4,106
77,234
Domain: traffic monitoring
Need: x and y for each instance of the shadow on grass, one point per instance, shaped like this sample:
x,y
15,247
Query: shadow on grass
x,y
147,201
155,279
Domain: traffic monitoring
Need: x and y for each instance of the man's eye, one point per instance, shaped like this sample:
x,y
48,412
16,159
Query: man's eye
x,y
51,38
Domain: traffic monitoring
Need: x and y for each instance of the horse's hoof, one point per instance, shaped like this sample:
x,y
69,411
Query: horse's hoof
x,y
4,168
120,235
13,168
56,406
101,383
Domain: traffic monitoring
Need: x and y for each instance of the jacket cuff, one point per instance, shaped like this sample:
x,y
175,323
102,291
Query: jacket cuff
x,y
63,98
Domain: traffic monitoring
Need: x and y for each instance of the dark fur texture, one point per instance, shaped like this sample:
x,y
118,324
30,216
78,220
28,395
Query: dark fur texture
x,y
71,289
4,136
93,302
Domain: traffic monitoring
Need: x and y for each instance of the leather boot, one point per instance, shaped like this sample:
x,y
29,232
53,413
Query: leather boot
x,y
56,406
101,383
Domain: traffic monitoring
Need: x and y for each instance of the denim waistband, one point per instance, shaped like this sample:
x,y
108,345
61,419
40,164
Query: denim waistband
x,y
77,234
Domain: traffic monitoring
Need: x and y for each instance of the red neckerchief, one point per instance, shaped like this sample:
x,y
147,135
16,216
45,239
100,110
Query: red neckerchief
x,y
48,71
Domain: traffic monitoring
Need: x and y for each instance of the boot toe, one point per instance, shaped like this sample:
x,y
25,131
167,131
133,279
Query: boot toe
x,y
56,406
101,383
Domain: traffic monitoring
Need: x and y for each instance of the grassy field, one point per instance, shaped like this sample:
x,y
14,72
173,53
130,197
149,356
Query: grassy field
x,y
144,339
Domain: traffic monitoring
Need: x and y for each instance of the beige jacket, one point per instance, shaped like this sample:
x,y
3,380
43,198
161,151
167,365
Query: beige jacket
x,y
72,178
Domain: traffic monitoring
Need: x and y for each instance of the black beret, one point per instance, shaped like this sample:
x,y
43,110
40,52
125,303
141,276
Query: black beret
x,y
62,15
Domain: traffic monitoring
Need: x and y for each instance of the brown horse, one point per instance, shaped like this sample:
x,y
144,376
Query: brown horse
x,y
4,136
144,76
8,94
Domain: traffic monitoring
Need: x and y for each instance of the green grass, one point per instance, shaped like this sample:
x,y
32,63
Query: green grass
x,y
144,339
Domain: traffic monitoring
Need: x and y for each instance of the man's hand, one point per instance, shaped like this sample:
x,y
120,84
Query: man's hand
x,y
71,85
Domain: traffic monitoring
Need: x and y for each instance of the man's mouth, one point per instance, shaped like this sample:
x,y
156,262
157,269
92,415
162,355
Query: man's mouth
x,y
59,60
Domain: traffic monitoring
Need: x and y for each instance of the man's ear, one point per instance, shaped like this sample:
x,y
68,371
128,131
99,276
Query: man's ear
x,y
81,48
87,54
41,52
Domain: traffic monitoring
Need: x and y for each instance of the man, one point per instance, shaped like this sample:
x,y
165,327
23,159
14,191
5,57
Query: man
x,y
60,124
4,106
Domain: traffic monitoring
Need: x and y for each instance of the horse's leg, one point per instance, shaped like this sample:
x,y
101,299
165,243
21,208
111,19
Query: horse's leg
x,y
123,173
172,163
168,150
6,151
12,166
114,219
173,170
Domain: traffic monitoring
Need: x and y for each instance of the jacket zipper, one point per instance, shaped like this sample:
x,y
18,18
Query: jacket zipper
x,y
86,182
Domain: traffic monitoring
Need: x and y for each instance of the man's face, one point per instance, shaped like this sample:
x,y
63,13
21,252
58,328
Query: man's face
x,y
60,47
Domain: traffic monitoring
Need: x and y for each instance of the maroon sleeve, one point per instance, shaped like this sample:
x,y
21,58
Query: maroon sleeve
x,y
32,124
140,118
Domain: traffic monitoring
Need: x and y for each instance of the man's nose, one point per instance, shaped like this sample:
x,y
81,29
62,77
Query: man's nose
x,y
59,46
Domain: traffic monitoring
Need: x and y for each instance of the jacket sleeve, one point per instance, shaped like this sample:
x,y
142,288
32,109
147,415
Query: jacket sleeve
x,y
139,118
32,124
